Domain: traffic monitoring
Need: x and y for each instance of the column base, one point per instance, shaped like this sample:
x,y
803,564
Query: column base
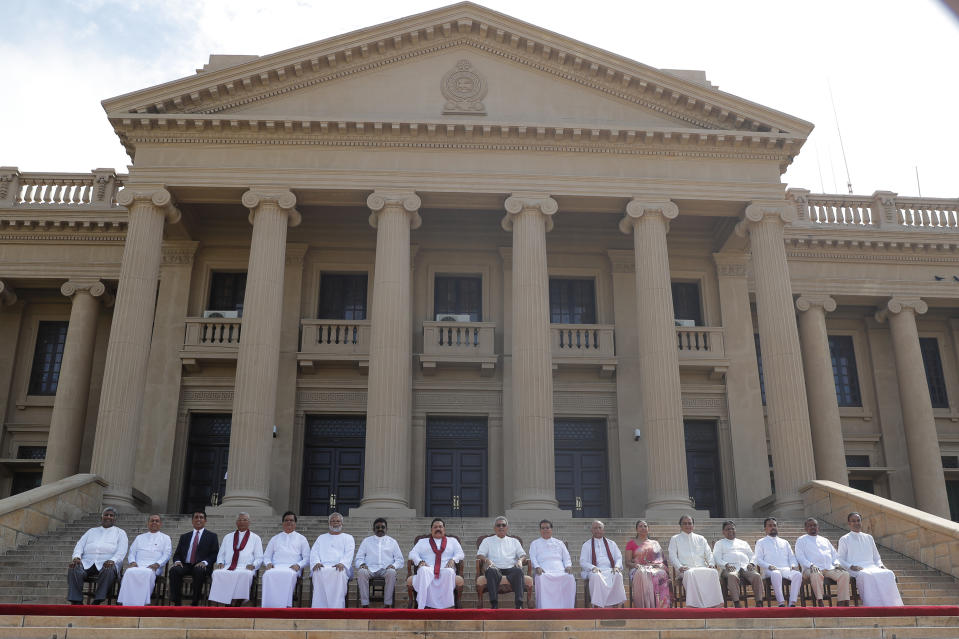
x,y
787,507
672,509
388,509
536,514
258,513
123,502
244,501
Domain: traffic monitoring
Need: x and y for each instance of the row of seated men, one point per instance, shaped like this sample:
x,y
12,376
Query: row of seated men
x,y
500,558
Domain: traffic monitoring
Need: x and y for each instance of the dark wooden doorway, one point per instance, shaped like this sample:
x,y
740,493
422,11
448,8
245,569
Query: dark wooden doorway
x,y
456,467
208,450
334,451
582,471
703,471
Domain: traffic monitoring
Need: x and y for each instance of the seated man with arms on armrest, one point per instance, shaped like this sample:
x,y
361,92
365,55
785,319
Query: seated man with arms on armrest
x,y
148,556
98,554
195,555
332,559
818,559
236,564
435,559
378,556
286,555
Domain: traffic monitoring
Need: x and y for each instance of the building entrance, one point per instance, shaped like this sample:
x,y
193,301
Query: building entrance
x,y
334,450
456,467
582,471
703,471
208,452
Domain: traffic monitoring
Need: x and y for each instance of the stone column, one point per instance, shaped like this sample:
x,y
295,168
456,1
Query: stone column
x,y
919,422
787,414
7,295
257,365
824,421
386,485
529,218
659,386
128,351
73,389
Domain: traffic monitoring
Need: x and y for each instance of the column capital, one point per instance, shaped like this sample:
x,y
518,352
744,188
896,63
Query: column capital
x,y
807,301
157,196
521,201
407,199
730,264
94,287
8,296
758,210
638,207
283,199
897,304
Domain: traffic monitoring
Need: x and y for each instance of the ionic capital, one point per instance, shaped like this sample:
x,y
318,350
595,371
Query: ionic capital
x,y
897,305
95,288
637,208
282,199
8,296
807,301
405,199
759,210
159,198
523,201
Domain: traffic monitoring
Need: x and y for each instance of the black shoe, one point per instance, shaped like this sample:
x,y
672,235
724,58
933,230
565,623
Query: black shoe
x,y
494,605
365,606
97,602
519,605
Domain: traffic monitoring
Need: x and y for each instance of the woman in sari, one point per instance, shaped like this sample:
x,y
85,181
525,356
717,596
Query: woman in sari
x,y
647,570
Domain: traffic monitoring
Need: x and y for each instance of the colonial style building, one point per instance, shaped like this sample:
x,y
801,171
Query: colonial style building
x,y
459,264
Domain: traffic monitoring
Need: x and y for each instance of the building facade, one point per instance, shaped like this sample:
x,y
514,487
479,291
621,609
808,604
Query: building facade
x,y
459,265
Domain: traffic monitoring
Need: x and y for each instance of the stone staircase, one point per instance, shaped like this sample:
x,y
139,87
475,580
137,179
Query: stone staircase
x,y
35,574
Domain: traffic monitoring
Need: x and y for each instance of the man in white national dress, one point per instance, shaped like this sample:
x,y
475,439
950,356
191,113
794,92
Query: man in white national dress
x,y
379,556
553,569
147,558
236,564
285,557
98,554
332,561
858,554
690,556
818,559
602,567
776,558
435,559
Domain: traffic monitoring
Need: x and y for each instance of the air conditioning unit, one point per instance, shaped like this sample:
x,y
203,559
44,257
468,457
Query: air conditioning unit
x,y
449,317
221,314
685,323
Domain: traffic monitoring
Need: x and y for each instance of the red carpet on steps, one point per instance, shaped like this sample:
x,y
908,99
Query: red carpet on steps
x,y
474,613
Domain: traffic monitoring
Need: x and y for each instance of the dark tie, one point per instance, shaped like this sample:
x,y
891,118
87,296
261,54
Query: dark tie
x,y
196,541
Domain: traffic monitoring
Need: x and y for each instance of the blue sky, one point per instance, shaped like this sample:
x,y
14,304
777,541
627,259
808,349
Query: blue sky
x,y
892,67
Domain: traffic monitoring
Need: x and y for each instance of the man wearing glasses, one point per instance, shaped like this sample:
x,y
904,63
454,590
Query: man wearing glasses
x,y
502,556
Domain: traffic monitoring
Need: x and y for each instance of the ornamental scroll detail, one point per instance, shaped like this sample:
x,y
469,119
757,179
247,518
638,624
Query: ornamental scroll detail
x,y
464,90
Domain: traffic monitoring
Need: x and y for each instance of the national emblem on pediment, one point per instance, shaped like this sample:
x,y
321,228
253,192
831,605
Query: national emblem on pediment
x,y
464,90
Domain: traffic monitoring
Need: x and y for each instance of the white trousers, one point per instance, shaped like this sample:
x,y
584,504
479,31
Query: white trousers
x,y
329,587
877,586
278,586
228,585
776,579
137,586
435,592
606,588
555,590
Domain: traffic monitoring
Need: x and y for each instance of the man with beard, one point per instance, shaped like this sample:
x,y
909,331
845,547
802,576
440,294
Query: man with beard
x,y
286,555
776,558
98,554
332,560
379,556
818,559
236,564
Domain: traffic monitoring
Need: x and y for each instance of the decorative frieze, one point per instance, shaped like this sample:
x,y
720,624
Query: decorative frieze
x,y
179,253
207,396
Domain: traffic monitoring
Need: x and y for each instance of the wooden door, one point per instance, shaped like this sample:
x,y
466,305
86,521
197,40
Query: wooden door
x,y
456,467
208,451
582,472
333,459
703,471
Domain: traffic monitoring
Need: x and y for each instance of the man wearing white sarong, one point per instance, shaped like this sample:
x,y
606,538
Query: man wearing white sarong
x,y
818,560
148,555
602,565
690,556
286,555
98,554
858,554
435,559
236,564
378,556
553,568
332,561
775,556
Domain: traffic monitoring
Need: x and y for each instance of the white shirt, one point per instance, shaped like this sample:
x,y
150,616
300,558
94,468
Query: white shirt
x,y
735,551
151,548
816,550
379,553
602,559
330,549
550,554
503,552
423,552
690,550
99,545
287,549
858,549
775,551
252,553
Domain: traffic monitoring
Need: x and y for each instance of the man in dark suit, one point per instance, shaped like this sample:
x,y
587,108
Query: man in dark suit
x,y
195,555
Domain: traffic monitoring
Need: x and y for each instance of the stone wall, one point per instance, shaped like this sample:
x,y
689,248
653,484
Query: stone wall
x,y
931,540
26,516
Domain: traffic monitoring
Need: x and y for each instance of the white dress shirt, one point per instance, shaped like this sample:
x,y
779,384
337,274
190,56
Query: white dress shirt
x,y
379,553
252,553
287,549
551,555
858,549
775,551
423,552
602,559
151,548
690,550
816,550
503,552
330,549
736,552
99,545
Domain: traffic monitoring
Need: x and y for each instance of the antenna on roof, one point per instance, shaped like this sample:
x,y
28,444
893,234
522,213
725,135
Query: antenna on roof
x,y
919,188
841,146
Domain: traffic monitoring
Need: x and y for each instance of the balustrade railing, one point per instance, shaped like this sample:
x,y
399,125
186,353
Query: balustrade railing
x,y
928,212
213,332
332,337
700,341
582,340
97,189
458,338
883,209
